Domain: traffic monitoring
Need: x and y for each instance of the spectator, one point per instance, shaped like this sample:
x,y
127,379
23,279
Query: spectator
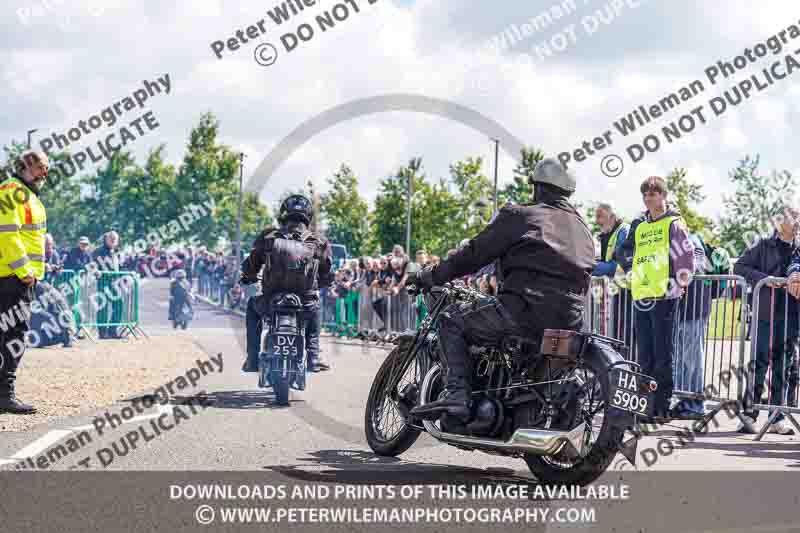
x,y
694,310
201,267
435,260
613,232
230,275
52,259
654,252
106,256
78,257
188,265
422,258
777,329
382,283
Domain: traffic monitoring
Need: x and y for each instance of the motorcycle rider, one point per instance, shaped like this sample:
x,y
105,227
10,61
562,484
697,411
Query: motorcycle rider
x,y
180,299
289,266
546,256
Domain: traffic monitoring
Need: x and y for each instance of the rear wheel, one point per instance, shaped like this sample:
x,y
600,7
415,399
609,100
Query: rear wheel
x,y
385,425
602,436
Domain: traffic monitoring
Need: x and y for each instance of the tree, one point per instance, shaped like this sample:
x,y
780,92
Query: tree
x,y
684,195
345,211
471,186
209,171
749,212
520,191
388,220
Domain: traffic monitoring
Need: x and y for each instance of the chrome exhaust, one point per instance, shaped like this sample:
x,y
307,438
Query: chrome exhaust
x,y
528,441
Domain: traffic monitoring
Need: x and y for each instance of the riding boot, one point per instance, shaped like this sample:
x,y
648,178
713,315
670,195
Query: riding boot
x,y
8,399
456,399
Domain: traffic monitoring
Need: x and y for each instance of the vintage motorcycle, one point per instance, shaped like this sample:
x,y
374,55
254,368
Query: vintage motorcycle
x,y
562,403
282,359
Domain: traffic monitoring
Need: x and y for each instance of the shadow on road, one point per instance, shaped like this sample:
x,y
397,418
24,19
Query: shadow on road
x,y
237,399
356,467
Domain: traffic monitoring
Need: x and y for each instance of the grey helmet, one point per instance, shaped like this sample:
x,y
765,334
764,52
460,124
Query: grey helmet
x,y
550,171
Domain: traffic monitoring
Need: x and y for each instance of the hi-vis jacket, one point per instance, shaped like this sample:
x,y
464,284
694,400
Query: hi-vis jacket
x,y
23,225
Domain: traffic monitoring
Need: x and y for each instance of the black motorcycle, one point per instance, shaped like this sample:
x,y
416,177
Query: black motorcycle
x,y
562,403
282,360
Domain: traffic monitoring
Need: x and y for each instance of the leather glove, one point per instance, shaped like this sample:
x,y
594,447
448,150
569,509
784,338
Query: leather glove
x,y
244,280
422,279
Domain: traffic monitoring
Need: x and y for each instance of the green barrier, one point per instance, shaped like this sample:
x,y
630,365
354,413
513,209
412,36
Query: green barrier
x,y
109,302
68,283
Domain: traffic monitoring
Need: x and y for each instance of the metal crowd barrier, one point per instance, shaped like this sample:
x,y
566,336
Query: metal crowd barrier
x,y
774,360
109,303
709,337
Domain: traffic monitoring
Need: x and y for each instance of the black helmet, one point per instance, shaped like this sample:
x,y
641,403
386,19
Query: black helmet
x,y
297,206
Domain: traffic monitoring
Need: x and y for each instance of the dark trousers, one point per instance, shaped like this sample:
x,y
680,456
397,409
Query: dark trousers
x,y
258,308
484,322
655,321
781,337
12,340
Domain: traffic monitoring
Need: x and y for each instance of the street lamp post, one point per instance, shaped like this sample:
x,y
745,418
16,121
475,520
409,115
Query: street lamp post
x,y
239,214
409,192
496,153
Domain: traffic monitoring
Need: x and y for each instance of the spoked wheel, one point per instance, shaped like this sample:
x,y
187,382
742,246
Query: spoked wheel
x,y
601,438
385,424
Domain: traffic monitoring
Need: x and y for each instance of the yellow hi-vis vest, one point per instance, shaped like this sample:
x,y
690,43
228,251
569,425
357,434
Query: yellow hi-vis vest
x,y
612,243
650,277
23,225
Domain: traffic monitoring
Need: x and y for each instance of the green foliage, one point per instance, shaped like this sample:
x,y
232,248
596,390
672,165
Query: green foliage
x,y
684,195
758,198
135,200
345,211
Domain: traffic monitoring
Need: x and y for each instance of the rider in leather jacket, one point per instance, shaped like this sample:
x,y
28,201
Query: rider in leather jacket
x,y
546,256
278,251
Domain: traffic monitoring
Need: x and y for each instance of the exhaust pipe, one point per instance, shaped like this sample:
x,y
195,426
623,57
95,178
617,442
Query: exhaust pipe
x,y
528,441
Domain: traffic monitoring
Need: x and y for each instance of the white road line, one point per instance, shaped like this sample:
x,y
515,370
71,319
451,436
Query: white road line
x,y
45,442
41,444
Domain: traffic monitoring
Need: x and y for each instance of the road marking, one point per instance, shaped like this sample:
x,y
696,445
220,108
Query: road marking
x,y
41,444
52,437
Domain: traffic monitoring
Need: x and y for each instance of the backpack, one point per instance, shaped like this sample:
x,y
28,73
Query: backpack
x,y
291,262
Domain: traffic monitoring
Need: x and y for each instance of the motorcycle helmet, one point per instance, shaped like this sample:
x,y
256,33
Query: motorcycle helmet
x,y
296,206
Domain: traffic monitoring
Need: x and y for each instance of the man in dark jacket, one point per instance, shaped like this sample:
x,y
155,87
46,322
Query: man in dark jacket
x,y
107,259
291,244
78,257
546,255
776,324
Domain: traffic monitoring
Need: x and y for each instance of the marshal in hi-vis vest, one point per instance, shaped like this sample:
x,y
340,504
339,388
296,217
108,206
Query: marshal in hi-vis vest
x,y
650,269
23,225
292,262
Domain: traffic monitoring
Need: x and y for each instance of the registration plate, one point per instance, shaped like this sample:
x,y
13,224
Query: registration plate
x,y
283,345
632,392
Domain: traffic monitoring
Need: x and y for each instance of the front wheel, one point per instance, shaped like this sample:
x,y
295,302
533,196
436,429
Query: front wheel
x,y
603,435
280,385
386,429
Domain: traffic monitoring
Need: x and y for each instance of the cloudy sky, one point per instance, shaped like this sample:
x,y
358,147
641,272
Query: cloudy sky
x,y
65,60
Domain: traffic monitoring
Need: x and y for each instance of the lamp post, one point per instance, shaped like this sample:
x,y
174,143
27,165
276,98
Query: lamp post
x,y
29,137
409,192
496,153
239,214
